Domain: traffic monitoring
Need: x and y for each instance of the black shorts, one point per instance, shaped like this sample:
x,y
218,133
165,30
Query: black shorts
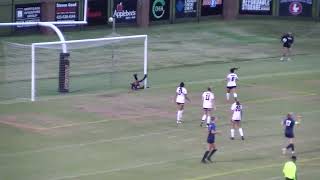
x,y
210,140
287,45
207,109
289,134
180,103
288,178
231,87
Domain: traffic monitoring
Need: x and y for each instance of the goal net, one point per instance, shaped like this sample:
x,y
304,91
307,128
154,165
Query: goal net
x,y
32,71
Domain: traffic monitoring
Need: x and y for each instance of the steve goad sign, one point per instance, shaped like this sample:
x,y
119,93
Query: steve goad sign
x,y
159,10
67,11
125,11
295,8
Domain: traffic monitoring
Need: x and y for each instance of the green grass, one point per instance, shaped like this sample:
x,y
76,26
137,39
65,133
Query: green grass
x,y
98,132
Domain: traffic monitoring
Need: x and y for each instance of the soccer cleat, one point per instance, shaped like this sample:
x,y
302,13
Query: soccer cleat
x,y
242,138
289,59
284,150
210,160
203,161
232,138
281,59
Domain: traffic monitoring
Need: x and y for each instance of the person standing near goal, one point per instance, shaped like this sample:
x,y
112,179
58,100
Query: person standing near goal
x,y
236,109
207,104
180,98
232,79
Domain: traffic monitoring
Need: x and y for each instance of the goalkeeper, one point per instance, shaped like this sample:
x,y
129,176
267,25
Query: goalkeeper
x,y
136,84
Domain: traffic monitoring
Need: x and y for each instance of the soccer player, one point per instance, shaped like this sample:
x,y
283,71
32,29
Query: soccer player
x,y
180,97
135,85
232,79
211,141
207,105
236,109
287,39
288,123
290,169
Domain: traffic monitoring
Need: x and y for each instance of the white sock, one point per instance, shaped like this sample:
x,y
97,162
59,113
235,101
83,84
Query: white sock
x,y
232,132
178,115
181,112
240,131
208,119
204,117
235,95
228,96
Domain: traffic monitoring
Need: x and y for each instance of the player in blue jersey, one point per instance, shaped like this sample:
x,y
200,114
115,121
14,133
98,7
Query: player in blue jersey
x,y
211,141
288,124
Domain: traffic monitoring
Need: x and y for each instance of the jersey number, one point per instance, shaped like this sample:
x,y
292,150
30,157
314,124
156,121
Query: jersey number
x,y
238,108
180,91
233,78
207,97
288,122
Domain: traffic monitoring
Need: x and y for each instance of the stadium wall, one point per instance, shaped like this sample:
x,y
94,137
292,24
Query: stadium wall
x,y
145,12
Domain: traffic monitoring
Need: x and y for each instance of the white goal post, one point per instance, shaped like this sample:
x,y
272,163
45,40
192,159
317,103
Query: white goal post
x,y
44,45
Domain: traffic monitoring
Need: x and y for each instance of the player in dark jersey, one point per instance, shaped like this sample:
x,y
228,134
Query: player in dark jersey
x,y
287,40
288,124
136,84
211,141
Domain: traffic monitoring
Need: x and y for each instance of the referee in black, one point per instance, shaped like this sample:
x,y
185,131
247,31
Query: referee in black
x,y
287,39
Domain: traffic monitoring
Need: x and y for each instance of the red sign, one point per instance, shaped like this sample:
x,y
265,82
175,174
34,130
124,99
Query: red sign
x,y
295,8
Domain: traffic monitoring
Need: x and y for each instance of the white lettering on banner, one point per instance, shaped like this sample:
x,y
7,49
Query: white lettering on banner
x,y
301,1
256,5
188,6
125,14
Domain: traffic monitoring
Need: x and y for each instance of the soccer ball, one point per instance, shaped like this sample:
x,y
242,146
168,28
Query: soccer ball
x,y
110,19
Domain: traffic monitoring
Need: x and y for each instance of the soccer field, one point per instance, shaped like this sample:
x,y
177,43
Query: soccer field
x,y
111,134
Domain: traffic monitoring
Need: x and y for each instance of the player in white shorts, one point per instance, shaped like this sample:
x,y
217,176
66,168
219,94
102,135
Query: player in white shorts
x,y
207,104
180,98
236,109
232,79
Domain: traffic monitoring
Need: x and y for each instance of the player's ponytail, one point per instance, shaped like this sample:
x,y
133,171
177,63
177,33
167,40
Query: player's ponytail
x,y
233,69
181,86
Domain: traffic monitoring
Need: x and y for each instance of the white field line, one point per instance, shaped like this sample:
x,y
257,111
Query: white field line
x,y
74,124
302,94
189,156
125,138
48,98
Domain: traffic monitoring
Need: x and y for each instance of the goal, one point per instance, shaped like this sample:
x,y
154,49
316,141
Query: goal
x,y
95,65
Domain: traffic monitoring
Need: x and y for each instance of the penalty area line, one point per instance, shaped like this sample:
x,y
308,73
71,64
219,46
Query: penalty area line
x,y
301,162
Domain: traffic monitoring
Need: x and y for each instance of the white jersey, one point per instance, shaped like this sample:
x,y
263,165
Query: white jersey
x,y
181,94
237,111
207,99
232,80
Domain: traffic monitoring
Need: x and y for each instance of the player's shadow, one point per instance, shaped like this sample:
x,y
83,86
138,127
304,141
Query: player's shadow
x,y
309,151
242,159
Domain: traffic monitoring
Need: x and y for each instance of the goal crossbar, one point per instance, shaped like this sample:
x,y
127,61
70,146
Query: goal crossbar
x,y
35,45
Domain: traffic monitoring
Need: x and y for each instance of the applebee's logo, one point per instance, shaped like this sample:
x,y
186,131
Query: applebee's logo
x,y
119,12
